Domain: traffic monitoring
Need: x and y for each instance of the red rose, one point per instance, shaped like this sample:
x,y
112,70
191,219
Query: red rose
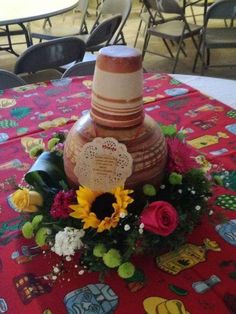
x,y
160,218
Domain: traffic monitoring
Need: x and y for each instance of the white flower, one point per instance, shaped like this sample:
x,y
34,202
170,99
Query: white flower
x,y
127,227
68,241
141,226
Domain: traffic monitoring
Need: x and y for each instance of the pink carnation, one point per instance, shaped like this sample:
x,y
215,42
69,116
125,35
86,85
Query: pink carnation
x,y
180,156
60,207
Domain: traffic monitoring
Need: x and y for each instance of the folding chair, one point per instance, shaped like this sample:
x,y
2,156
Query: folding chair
x,y
111,8
42,61
80,69
9,80
176,30
150,16
101,35
217,37
204,4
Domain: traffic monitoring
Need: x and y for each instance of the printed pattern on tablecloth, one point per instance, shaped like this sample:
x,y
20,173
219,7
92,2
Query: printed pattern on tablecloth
x,y
35,280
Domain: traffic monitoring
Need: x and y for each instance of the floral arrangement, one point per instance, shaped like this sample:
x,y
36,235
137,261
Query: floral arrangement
x,y
107,229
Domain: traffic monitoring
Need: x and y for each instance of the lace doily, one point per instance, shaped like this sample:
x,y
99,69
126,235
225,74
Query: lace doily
x,y
103,164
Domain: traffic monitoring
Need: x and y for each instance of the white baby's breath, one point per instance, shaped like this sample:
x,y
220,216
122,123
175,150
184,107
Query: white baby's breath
x,y
141,226
127,227
68,241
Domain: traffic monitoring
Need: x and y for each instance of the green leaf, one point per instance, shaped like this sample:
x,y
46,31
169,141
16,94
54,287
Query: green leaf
x,y
46,172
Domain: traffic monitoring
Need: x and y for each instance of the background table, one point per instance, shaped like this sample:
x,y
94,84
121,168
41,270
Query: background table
x,y
223,90
29,115
21,11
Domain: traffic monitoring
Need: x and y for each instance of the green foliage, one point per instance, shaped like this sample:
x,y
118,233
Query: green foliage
x,y
126,270
41,236
113,249
27,230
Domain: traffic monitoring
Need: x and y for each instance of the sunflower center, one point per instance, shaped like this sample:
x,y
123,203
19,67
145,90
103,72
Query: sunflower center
x,y
102,206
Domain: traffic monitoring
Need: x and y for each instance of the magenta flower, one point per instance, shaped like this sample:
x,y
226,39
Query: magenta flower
x,y
60,207
180,156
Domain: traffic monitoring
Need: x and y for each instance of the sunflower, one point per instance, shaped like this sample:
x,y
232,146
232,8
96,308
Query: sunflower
x,y
101,211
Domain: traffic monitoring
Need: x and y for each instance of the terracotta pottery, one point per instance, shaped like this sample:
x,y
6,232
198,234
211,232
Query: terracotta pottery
x,y
117,111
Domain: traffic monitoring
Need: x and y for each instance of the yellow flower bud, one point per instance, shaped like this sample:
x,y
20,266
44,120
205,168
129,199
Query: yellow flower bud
x,y
26,200
35,198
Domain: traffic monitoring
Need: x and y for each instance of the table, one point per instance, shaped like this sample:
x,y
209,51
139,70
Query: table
x,y
23,11
29,115
218,88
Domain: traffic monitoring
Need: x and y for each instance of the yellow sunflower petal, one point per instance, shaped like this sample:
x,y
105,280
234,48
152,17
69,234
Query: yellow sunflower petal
x,y
91,221
105,224
80,211
86,195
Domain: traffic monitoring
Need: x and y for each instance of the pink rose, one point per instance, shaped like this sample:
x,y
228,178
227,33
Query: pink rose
x,y
160,218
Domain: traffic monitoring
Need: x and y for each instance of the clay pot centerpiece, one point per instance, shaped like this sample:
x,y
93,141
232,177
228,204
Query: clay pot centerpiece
x,y
116,139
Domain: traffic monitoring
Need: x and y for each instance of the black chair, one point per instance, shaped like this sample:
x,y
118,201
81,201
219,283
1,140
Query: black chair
x,y
80,69
9,80
43,61
217,37
101,36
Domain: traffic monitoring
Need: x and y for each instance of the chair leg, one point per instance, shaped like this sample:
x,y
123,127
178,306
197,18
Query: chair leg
x,y
145,44
208,57
193,15
168,48
177,55
198,54
137,35
183,51
203,60
122,39
178,51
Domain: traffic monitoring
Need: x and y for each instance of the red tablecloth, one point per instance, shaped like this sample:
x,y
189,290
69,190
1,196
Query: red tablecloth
x,y
28,116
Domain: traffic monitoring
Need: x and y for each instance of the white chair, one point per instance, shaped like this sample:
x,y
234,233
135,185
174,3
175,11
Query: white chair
x,y
102,34
114,7
176,31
